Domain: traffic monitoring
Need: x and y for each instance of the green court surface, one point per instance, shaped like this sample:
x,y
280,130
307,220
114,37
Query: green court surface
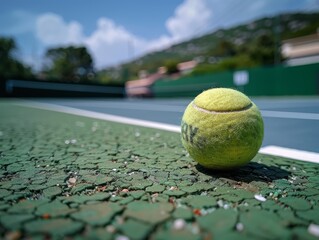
x,y
64,176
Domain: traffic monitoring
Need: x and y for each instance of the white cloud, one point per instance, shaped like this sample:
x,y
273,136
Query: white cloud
x,y
163,41
190,18
52,30
111,43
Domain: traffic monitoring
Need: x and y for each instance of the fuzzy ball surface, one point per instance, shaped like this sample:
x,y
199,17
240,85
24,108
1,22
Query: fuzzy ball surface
x,y
222,129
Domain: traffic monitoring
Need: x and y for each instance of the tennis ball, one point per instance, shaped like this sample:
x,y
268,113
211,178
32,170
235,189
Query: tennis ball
x,y
222,129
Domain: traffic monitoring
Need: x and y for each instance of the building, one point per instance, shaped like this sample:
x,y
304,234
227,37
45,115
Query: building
x,y
301,50
186,67
142,87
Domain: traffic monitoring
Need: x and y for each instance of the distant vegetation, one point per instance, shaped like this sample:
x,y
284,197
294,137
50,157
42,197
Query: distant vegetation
x,y
70,64
253,44
10,66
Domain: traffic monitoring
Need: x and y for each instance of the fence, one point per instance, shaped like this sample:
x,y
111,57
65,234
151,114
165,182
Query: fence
x,y
266,81
23,88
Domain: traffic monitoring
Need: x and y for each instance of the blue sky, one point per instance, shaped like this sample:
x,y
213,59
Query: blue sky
x,y
118,30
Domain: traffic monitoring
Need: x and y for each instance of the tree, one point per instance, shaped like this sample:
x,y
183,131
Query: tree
x,y
263,50
71,64
227,64
223,49
10,67
171,66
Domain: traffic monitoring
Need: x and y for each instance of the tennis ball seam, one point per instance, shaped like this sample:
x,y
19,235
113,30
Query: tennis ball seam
x,y
220,112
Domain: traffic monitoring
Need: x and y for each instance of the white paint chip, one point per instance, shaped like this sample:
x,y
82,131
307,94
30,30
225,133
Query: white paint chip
x,y
313,229
260,198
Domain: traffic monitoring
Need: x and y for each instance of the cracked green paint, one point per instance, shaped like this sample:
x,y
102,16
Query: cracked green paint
x,y
183,234
100,196
131,177
289,218
135,230
97,214
201,201
98,233
27,206
263,224
175,193
155,189
146,212
15,221
296,203
137,194
141,184
55,227
54,209
37,187
183,213
51,192
81,187
218,221
310,215
4,193
126,200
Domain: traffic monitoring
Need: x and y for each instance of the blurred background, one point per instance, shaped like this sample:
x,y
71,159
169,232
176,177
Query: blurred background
x,y
175,48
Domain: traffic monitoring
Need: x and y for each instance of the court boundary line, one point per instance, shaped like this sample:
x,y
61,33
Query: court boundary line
x,y
100,116
290,115
295,154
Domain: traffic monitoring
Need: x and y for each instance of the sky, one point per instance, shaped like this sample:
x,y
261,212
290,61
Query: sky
x,y
115,31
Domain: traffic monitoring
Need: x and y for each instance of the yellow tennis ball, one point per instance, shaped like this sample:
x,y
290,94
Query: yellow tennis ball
x,y
222,129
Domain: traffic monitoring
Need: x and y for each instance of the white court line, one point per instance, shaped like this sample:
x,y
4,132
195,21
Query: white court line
x,y
291,153
139,106
181,109
101,116
270,150
292,115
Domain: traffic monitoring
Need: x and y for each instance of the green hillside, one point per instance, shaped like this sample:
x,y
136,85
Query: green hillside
x,y
250,44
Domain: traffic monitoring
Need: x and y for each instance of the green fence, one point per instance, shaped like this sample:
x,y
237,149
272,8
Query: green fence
x,y
272,81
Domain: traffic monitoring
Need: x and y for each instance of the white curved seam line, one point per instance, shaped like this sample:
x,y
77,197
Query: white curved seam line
x,y
215,112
